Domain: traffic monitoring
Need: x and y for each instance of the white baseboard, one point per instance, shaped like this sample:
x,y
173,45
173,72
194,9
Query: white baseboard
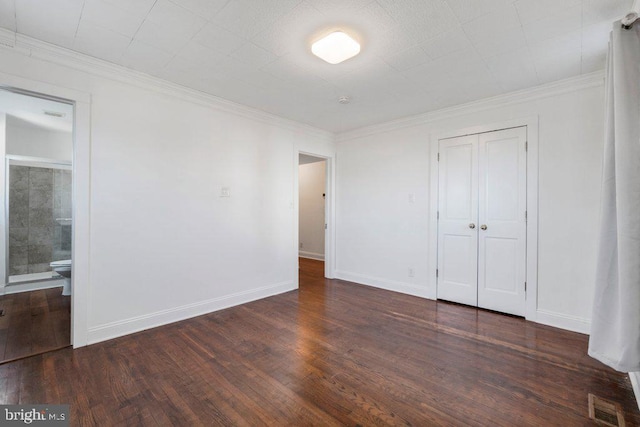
x,y
405,288
15,288
635,383
311,255
563,321
140,323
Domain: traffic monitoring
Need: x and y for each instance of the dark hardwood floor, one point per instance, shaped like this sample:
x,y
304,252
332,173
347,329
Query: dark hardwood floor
x,y
34,322
331,353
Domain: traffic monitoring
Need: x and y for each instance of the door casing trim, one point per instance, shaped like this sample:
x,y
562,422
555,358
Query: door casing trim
x,y
531,123
81,183
329,213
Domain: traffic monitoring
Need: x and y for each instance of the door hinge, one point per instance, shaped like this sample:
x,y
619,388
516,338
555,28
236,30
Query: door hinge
x,y
325,226
525,287
436,273
526,146
526,216
438,156
438,215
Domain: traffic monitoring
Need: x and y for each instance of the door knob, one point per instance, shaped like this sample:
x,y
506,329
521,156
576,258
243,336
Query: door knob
x,y
472,226
484,227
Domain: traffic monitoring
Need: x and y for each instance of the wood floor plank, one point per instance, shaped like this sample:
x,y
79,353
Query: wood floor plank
x,y
34,322
43,336
330,353
10,384
3,342
6,304
258,385
19,333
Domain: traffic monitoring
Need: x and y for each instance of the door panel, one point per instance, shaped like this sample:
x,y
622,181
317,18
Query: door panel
x,y
501,174
459,181
458,208
501,251
502,207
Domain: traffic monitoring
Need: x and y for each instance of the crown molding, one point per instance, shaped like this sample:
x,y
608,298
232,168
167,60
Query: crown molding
x,y
526,95
7,38
35,48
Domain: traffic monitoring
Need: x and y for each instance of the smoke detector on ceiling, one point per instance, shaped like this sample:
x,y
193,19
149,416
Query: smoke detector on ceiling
x,y
344,100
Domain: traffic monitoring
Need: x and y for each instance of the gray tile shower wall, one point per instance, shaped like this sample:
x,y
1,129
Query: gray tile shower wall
x,y
18,220
37,197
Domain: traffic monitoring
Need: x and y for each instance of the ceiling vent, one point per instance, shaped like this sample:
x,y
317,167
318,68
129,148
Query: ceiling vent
x,y
54,113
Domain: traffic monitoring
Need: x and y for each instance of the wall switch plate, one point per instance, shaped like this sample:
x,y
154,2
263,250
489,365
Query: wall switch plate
x,y
225,192
412,198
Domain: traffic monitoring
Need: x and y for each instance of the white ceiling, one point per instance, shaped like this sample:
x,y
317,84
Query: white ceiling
x,y
417,55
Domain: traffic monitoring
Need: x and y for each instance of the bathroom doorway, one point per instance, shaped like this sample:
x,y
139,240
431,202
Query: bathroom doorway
x,y
36,240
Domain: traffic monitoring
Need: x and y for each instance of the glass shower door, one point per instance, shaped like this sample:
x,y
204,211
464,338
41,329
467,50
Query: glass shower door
x,y
39,211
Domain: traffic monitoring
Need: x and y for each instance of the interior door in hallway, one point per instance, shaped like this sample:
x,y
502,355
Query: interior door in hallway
x,y
482,220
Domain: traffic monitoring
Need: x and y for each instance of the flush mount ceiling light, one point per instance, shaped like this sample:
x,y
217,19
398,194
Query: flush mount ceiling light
x,y
335,48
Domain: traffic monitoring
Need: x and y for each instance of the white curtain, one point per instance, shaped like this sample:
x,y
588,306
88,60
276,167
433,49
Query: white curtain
x,y
615,320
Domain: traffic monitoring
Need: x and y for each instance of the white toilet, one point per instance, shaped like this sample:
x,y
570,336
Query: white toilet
x,y
63,268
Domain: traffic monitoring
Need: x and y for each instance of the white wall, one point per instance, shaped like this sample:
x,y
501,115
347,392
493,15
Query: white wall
x,y
24,139
163,244
380,234
311,183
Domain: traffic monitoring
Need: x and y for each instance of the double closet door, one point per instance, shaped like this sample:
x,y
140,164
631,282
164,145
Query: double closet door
x,y
482,220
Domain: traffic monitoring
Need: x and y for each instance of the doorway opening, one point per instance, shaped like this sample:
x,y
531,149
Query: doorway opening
x,y
315,212
312,193
37,143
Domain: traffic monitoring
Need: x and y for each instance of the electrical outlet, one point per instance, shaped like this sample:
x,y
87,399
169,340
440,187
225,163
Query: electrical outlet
x,y
300,245
225,192
411,272
412,198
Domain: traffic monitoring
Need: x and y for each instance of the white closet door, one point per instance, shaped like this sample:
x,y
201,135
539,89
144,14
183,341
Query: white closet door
x,y
502,221
457,224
